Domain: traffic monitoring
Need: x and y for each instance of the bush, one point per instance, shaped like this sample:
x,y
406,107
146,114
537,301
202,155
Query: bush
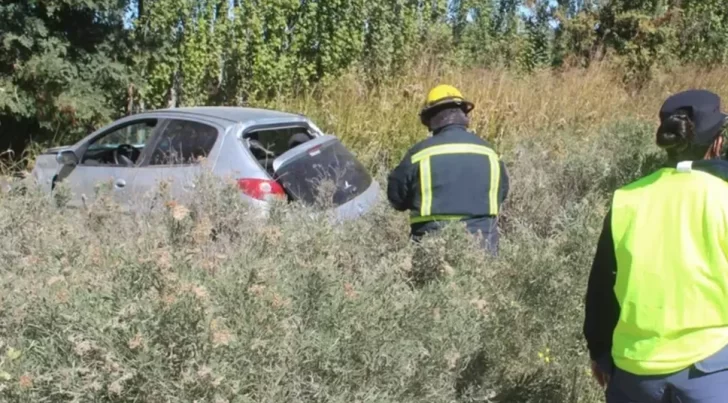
x,y
204,302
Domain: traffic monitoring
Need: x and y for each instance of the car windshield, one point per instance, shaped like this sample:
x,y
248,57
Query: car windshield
x,y
326,173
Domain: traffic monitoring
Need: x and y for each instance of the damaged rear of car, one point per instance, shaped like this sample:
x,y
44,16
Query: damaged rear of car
x,y
313,168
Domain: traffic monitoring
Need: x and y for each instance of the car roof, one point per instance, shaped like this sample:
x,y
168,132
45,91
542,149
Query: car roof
x,y
230,113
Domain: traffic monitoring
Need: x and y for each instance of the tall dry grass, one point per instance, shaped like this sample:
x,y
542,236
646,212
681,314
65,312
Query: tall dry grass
x,y
204,302
510,108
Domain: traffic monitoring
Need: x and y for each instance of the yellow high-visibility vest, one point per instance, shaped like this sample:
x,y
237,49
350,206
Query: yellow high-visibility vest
x,y
670,233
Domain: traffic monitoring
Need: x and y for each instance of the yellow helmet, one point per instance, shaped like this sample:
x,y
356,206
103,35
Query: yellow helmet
x,y
445,94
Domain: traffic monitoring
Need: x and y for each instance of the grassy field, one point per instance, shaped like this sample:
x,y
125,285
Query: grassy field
x,y
98,306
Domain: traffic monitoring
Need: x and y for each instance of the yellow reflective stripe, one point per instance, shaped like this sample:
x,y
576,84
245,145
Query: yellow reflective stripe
x,y
425,187
452,149
417,220
494,184
423,157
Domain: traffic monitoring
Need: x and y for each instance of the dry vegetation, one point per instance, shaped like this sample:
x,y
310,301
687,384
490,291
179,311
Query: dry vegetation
x,y
202,302
511,109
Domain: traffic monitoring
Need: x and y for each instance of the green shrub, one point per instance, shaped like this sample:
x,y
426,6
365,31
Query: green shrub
x,y
204,302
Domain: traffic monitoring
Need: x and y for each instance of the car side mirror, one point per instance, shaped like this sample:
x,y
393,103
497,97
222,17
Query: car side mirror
x,y
67,157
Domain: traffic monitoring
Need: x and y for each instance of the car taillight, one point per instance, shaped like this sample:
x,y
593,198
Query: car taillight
x,y
261,189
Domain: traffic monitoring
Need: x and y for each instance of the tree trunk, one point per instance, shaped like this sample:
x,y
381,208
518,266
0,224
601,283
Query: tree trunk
x,y
172,95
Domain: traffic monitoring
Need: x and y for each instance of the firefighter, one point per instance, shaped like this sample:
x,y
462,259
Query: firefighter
x,y
453,175
656,316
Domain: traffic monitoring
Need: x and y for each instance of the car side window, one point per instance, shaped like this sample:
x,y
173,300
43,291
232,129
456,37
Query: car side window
x,y
121,146
183,142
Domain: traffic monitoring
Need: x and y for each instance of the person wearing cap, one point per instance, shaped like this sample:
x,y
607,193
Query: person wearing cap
x,y
656,309
453,175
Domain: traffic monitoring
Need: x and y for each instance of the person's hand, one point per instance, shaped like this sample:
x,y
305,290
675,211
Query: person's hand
x,y
601,377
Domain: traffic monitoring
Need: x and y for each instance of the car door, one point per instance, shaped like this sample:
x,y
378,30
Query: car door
x,y
177,156
101,162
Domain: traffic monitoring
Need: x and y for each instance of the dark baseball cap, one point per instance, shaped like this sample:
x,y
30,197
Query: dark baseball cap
x,y
703,107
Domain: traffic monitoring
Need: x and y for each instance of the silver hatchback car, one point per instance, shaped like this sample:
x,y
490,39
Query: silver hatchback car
x,y
270,154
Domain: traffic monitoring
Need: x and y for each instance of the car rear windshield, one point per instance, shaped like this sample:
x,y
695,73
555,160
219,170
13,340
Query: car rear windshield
x,y
305,177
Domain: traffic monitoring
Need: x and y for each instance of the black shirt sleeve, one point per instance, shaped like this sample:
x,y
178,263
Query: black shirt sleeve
x,y
399,184
602,307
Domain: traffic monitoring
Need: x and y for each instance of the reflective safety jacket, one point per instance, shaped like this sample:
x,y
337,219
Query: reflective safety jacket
x,y
453,175
657,298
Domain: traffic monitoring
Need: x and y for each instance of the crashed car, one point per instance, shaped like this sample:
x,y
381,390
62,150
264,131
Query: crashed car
x,y
270,154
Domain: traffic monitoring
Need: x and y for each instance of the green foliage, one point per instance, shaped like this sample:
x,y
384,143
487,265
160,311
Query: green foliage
x,y
63,68
536,53
576,41
67,67
473,33
642,35
703,31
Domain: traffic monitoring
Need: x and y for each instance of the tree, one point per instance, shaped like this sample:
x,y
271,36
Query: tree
x,y
63,67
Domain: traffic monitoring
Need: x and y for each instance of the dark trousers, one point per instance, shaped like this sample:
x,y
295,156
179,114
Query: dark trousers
x,y
704,382
484,228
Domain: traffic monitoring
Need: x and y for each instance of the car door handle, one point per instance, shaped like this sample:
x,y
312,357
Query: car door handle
x,y
120,183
